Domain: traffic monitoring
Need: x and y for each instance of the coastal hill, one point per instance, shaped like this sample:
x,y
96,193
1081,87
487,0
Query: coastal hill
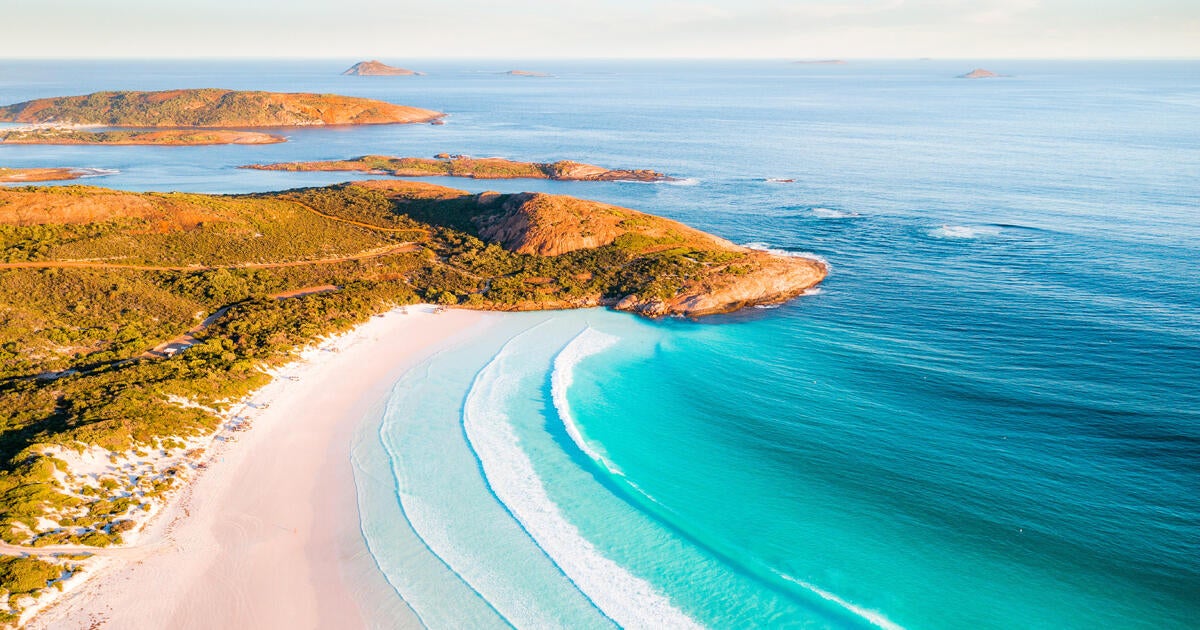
x,y
132,321
212,108
163,137
466,166
376,68
666,268
980,73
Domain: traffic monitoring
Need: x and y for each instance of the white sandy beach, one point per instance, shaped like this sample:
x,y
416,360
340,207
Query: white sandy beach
x,y
268,536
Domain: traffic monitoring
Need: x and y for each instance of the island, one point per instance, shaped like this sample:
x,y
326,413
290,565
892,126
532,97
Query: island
x,y
376,68
526,73
212,108
821,62
167,137
17,175
980,73
446,165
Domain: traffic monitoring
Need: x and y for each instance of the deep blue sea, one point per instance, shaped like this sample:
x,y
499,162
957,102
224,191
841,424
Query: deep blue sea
x,y
987,417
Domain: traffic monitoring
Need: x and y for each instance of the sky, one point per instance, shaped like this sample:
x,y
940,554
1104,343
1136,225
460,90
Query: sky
x,y
397,30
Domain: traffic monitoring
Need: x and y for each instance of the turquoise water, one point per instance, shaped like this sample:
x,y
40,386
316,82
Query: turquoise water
x,y
986,418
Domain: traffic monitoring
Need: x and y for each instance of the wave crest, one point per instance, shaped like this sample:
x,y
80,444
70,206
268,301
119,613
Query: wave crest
x,y
628,600
965,232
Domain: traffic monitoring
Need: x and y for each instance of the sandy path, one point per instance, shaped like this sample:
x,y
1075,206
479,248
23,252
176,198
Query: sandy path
x,y
268,536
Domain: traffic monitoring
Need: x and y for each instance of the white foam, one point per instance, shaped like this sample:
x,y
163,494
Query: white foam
x,y
628,600
875,618
686,181
964,231
830,213
96,172
766,247
584,345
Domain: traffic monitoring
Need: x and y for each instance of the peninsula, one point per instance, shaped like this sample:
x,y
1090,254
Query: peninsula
x,y
212,108
164,137
27,175
376,68
134,323
445,165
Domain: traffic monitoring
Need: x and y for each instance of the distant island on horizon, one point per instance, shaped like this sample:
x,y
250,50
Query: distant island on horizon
x,y
376,68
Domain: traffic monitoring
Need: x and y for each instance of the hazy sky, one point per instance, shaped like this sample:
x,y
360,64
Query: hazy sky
x,y
396,30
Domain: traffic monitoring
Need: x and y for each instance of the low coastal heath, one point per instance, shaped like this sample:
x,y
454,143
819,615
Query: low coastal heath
x,y
268,534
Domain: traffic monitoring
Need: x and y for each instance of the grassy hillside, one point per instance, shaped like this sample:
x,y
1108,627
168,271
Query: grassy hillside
x,y
212,108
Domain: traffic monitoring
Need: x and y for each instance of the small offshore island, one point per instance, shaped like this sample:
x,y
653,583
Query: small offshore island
x,y
213,108
376,68
137,323
445,165
980,73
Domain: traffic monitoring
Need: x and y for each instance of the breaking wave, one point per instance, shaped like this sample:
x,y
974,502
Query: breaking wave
x,y
965,231
628,600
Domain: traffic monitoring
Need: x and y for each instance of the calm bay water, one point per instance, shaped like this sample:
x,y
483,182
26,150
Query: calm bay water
x,y
986,418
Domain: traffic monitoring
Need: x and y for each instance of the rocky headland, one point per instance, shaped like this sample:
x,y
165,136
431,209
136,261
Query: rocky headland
x,y
446,165
687,272
212,108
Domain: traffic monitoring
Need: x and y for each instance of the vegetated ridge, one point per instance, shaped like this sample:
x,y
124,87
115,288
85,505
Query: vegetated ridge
x,y
212,108
164,137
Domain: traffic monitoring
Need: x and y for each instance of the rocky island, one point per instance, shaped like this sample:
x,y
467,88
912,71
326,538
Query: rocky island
x,y
445,165
980,73
212,108
376,68
166,137
17,175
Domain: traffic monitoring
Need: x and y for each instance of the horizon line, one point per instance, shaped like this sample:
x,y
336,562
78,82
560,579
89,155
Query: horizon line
x,y
579,58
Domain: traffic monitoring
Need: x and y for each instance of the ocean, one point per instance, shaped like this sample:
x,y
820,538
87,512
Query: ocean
x,y
986,417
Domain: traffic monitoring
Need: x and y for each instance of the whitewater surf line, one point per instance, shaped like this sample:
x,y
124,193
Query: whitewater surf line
x,y
628,600
590,342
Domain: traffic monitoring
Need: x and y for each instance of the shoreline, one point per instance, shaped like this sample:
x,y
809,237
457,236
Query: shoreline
x,y
269,535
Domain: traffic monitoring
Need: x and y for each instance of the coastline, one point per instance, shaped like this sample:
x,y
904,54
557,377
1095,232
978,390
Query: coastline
x,y
268,536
